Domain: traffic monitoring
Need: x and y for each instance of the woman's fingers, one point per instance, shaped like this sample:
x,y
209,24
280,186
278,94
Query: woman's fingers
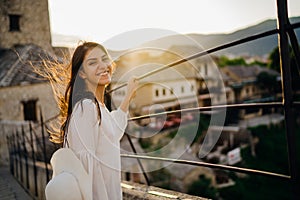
x,y
132,86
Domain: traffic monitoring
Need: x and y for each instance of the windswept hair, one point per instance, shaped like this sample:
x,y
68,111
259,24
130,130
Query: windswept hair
x,y
68,87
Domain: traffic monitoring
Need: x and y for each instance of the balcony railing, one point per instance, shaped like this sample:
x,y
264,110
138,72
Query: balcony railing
x,y
285,32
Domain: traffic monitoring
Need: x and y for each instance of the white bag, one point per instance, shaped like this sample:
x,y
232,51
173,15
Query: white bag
x,y
70,180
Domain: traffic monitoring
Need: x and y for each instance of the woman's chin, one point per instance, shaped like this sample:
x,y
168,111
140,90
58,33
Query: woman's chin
x,y
104,82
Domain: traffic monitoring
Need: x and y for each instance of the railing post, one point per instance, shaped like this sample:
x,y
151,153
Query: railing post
x,y
283,43
44,146
16,172
20,156
33,160
26,157
9,146
139,161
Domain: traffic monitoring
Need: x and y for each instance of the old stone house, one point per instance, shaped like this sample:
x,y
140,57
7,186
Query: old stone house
x,y
190,84
243,81
24,37
24,94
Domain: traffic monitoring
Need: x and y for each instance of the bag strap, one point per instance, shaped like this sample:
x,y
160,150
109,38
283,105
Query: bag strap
x,y
66,142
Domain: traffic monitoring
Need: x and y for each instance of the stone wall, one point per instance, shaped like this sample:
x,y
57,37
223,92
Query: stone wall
x,y
135,191
33,22
11,108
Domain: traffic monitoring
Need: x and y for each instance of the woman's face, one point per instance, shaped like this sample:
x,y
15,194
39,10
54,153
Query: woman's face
x,y
97,68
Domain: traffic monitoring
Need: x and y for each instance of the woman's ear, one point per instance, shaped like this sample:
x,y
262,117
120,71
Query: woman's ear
x,y
82,74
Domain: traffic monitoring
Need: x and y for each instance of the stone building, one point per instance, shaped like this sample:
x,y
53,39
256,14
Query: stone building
x,y
243,81
24,22
24,93
24,37
186,85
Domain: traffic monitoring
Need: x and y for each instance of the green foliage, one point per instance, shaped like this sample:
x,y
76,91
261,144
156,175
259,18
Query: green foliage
x,y
224,61
266,80
256,62
271,155
161,178
274,60
202,187
271,150
145,143
237,191
257,187
295,71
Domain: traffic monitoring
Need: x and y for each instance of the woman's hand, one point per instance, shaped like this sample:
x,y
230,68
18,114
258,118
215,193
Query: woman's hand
x,y
131,92
132,87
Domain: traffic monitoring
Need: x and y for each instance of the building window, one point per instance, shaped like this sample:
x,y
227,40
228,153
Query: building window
x,y
156,93
127,176
192,88
247,90
182,89
29,110
164,92
14,22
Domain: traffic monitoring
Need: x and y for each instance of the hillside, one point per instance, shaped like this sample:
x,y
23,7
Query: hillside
x,y
258,47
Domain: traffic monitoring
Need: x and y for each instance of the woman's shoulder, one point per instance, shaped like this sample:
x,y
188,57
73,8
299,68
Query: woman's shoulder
x,y
85,104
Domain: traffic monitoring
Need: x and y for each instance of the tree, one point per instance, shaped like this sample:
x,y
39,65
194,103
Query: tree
x,y
274,60
224,61
202,187
266,80
295,70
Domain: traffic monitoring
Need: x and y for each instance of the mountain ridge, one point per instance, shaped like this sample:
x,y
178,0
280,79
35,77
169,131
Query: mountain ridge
x,y
258,47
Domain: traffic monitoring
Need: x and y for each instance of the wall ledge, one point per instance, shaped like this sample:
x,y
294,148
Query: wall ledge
x,y
135,191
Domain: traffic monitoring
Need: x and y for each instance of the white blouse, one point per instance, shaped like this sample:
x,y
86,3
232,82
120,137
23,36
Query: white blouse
x,y
98,146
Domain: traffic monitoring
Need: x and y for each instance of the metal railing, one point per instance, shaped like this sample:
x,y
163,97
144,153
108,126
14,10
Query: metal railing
x,y
284,30
18,149
29,162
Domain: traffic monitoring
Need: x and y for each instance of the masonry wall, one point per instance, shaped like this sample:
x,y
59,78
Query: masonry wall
x,y
11,107
33,23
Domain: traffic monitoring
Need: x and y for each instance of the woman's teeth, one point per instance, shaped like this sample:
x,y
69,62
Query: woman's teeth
x,y
103,73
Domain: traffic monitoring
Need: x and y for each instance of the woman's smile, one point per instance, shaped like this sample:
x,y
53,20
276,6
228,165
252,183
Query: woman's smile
x,y
103,73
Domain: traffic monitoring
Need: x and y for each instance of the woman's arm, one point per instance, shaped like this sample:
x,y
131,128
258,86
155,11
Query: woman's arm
x,y
131,90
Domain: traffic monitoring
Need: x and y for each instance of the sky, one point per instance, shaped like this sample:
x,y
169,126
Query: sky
x,y
122,20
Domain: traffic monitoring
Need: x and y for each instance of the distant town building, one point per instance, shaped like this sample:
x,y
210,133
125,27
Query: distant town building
x,y
243,81
190,84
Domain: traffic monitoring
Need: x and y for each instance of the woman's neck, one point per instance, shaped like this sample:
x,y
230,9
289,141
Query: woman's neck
x,y
98,91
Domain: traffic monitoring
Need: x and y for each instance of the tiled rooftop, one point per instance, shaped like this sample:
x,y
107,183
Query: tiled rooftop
x,y
15,68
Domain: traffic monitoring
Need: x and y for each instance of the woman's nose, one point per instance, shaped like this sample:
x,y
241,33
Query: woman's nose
x,y
103,65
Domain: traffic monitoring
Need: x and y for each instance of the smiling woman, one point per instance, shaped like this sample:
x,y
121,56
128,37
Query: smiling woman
x,y
88,127
97,71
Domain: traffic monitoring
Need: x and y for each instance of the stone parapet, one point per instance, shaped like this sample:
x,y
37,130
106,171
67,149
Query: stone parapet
x,y
135,191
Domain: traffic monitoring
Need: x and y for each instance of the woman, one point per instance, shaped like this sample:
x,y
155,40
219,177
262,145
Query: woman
x,y
89,129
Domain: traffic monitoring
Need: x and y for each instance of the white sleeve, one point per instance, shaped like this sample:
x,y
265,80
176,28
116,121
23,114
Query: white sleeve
x,y
120,118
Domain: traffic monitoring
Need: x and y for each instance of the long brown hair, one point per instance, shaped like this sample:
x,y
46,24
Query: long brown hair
x,y
68,87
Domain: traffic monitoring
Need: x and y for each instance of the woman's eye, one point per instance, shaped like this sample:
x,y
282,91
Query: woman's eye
x,y
92,63
105,59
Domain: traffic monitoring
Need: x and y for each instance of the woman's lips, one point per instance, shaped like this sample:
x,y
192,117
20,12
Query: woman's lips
x,y
105,73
